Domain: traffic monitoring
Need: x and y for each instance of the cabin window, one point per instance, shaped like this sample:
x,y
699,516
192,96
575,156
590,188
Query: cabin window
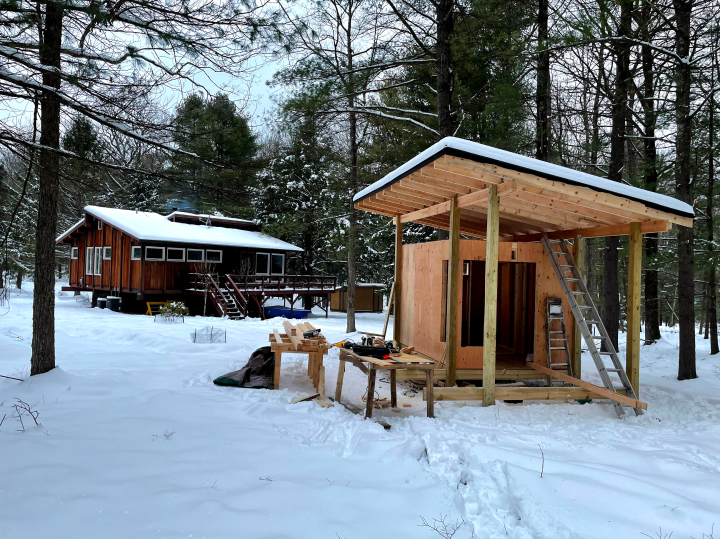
x,y
262,264
155,253
277,264
136,253
98,261
195,255
107,253
213,256
74,251
175,255
89,261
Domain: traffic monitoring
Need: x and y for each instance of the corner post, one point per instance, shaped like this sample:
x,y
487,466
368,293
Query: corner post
x,y
451,333
398,279
491,288
632,353
577,336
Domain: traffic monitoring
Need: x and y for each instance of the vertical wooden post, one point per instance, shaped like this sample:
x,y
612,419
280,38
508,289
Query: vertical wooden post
x,y
577,336
491,289
632,353
398,279
451,333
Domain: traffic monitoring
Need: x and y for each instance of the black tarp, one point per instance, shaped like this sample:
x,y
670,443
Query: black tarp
x,y
258,373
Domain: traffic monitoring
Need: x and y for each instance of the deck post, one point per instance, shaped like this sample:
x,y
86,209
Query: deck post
x,y
632,353
398,279
451,333
491,286
577,336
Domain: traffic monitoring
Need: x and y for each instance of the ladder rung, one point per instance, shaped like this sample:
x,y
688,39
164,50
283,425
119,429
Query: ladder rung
x,y
598,337
557,348
556,332
566,266
560,253
572,279
578,293
584,307
606,353
614,370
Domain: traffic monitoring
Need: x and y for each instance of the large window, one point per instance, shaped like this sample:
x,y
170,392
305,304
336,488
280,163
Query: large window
x,y
136,252
155,253
107,253
262,264
195,255
277,264
74,251
89,261
175,254
213,256
98,261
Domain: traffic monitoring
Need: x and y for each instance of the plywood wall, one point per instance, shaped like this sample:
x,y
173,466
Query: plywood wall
x,y
422,296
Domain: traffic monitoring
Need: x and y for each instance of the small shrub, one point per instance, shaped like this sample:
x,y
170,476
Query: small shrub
x,y
174,308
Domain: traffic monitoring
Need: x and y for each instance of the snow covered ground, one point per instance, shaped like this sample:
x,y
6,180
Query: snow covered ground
x,y
135,441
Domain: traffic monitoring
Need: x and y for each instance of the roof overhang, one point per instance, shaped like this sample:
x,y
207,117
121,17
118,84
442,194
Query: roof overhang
x,y
535,197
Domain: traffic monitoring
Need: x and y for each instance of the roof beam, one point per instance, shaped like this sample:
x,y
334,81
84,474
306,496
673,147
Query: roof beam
x,y
473,199
646,227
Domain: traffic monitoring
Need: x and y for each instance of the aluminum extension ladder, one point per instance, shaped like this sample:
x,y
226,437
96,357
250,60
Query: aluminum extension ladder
x,y
556,336
585,323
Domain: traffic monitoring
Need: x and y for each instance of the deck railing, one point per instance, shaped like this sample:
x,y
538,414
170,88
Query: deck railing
x,y
283,283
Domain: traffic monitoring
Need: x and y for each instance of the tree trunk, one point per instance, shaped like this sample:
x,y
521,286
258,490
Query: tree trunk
x,y
445,27
686,241
542,97
352,218
18,280
43,340
611,291
711,327
445,15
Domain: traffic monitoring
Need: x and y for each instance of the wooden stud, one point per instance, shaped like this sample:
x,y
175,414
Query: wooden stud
x,y
577,336
503,392
430,392
276,375
370,392
321,382
451,330
491,286
632,355
393,388
340,377
397,319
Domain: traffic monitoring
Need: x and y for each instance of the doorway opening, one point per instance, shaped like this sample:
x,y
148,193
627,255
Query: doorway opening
x,y
515,309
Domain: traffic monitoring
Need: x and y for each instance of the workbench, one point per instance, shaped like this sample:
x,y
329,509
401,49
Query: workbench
x,y
293,342
370,365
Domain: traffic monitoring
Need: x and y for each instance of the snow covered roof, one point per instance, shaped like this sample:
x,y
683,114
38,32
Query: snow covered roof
x,y
149,226
485,154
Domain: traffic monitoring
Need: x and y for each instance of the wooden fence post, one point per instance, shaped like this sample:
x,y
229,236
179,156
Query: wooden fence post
x,y
397,312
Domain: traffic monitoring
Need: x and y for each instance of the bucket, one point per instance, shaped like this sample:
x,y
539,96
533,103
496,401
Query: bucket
x,y
102,302
113,303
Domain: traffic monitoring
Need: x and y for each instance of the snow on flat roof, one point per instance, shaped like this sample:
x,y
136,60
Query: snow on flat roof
x,y
149,226
520,163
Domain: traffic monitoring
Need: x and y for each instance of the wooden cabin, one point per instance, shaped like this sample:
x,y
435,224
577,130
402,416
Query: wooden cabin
x,y
368,298
146,257
477,303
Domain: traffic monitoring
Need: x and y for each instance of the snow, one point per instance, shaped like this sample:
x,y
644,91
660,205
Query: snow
x,y
521,163
207,216
149,226
135,440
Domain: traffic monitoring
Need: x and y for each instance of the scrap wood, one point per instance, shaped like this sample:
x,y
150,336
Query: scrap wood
x,y
324,404
306,398
408,350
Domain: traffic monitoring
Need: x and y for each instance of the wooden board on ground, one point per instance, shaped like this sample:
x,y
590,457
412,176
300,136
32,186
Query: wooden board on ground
x,y
622,399
513,393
